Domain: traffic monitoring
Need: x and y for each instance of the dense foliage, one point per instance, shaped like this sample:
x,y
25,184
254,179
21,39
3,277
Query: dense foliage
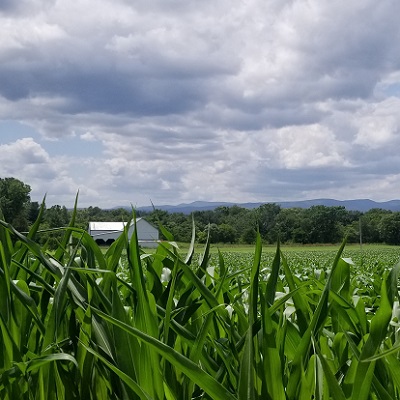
x,y
14,202
80,323
317,224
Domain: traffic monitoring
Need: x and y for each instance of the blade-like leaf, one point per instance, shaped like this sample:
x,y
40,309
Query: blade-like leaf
x,y
201,378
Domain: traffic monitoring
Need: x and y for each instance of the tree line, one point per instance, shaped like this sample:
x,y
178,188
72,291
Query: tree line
x,y
317,224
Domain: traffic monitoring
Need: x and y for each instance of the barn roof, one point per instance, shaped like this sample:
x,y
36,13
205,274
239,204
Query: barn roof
x,y
112,226
107,226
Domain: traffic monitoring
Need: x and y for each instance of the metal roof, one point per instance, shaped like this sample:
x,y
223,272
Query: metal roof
x,y
107,226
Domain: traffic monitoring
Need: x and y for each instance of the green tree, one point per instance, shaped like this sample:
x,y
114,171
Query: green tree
x,y
249,236
119,214
241,220
324,224
266,216
352,232
180,226
214,233
203,218
227,234
212,230
54,217
95,214
288,225
14,202
57,216
389,228
33,212
371,227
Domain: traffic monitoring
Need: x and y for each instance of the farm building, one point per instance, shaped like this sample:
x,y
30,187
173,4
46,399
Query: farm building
x,y
107,232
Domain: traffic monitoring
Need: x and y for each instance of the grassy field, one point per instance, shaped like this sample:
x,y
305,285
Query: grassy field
x,y
249,248
244,323
365,257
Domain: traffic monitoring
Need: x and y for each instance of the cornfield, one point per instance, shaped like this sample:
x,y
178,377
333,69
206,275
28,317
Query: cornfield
x,y
78,323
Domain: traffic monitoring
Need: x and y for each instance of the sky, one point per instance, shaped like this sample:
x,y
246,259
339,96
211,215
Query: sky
x,y
133,102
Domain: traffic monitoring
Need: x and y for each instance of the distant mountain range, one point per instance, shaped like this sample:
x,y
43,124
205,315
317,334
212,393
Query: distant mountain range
x,y
362,205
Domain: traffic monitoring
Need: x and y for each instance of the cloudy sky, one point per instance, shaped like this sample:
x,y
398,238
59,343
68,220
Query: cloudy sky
x,y
172,101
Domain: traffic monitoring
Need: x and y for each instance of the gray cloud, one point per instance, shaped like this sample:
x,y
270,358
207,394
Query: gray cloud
x,y
261,100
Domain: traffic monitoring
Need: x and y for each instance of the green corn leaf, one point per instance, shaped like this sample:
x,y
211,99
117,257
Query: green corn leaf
x,y
380,390
333,385
298,299
362,317
307,382
195,353
272,363
124,377
11,352
67,232
195,373
344,314
21,291
320,315
5,240
204,259
5,286
149,373
273,278
170,302
378,331
113,253
37,278
246,377
126,346
383,354
190,252
38,362
57,311
84,359
35,227
196,281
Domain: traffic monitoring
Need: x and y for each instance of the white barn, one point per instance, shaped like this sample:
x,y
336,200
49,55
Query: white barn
x,y
107,232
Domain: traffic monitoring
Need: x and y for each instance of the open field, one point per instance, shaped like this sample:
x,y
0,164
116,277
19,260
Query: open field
x,y
234,248
365,257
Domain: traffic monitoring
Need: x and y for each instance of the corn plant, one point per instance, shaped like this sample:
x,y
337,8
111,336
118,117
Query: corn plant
x,y
80,323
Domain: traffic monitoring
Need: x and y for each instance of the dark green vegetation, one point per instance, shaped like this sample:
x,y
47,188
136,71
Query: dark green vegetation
x,y
78,323
15,202
317,224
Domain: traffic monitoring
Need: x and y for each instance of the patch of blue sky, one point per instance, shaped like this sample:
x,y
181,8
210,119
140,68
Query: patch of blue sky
x,y
392,89
73,146
10,131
